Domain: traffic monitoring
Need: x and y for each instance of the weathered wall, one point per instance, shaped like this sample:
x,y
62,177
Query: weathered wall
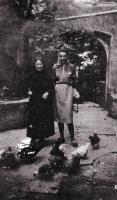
x,y
106,24
13,29
12,43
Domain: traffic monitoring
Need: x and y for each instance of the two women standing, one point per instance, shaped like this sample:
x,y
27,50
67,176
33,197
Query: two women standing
x,y
44,96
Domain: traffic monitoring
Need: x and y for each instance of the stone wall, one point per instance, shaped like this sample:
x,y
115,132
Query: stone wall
x,y
105,24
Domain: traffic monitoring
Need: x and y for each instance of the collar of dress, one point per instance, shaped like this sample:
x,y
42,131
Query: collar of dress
x,y
58,64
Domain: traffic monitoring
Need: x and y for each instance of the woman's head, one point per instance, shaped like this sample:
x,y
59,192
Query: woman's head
x,y
39,65
63,56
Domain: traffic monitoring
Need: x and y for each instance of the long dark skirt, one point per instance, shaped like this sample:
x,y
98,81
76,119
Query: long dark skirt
x,y
41,120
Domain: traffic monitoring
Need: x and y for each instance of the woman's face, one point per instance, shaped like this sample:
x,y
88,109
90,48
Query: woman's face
x,y
39,65
63,57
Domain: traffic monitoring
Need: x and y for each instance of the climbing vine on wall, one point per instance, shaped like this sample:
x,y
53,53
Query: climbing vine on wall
x,y
34,9
82,46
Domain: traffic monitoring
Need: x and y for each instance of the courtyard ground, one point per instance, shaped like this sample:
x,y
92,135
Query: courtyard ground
x,y
97,177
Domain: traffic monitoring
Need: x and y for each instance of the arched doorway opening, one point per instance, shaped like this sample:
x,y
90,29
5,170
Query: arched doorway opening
x,y
91,60
88,51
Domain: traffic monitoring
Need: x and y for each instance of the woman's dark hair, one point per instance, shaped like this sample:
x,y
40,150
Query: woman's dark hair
x,y
65,51
62,50
41,59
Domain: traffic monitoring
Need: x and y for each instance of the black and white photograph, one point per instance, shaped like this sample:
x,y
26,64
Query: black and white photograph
x,y
58,100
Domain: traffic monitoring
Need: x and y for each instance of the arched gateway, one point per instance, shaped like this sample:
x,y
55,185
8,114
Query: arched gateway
x,y
92,60
88,51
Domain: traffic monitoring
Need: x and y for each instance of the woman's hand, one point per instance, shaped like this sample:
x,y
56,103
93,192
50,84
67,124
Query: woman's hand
x,y
45,95
29,92
76,94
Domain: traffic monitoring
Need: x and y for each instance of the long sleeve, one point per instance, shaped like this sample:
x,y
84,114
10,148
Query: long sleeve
x,y
54,73
74,83
50,86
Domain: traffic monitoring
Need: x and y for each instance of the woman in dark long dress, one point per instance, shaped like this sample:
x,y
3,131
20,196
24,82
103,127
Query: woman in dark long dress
x,y
41,91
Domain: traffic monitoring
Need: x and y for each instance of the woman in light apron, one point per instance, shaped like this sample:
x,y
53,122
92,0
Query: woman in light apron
x,y
64,73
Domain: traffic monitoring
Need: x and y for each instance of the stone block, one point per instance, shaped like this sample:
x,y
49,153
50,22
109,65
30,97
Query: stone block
x,y
12,115
75,186
105,193
112,105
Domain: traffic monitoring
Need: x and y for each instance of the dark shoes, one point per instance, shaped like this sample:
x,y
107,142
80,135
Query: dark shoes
x,y
61,140
32,143
74,143
37,143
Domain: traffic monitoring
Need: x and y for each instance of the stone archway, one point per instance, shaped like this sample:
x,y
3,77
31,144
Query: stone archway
x,y
97,44
102,41
105,40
